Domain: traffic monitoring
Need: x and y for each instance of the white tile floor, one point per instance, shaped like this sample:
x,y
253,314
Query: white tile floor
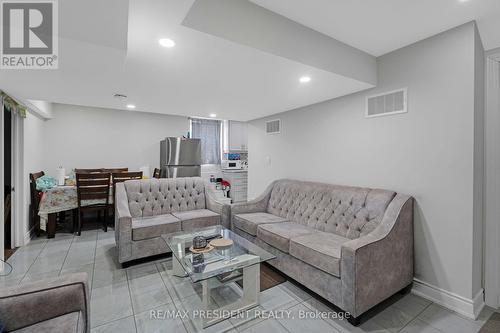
x,y
121,299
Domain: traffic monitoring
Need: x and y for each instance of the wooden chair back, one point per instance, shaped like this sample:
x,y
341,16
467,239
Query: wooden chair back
x,y
157,173
93,186
116,170
35,197
119,177
88,170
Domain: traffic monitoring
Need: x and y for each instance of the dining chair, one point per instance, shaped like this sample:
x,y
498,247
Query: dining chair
x,y
89,170
115,170
157,173
35,201
93,195
119,177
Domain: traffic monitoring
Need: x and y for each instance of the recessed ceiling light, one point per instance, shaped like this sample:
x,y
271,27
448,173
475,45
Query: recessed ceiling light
x,y
213,115
166,42
463,0
130,106
305,79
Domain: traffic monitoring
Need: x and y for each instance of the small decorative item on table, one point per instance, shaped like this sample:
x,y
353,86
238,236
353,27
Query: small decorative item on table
x,y
200,245
198,262
222,243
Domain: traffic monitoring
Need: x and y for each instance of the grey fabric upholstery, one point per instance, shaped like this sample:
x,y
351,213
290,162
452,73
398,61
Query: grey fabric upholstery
x,y
320,249
250,221
353,246
146,209
55,305
62,324
155,226
279,234
199,218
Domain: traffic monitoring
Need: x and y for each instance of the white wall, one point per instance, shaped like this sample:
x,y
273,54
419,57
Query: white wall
x,y
427,152
34,150
84,137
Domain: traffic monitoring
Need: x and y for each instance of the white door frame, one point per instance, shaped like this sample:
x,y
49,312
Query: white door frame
x,y
2,188
492,181
17,220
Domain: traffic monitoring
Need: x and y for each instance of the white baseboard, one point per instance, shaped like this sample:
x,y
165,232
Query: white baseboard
x,y
469,308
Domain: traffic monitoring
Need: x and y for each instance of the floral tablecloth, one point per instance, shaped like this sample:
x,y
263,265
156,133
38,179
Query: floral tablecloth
x,y
60,199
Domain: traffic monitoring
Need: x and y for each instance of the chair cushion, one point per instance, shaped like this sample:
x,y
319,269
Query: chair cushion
x,y
320,249
250,221
279,234
199,218
151,227
62,324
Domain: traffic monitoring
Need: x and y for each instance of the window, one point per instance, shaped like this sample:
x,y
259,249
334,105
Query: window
x,y
209,131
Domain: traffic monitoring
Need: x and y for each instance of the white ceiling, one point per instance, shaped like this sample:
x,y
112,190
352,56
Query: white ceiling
x,y
381,26
111,46
202,74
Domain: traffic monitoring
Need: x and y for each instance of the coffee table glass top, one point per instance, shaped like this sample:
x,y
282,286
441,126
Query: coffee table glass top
x,y
219,261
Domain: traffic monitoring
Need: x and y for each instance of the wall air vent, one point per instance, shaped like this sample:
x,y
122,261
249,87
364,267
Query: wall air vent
x,y
392,102
273,126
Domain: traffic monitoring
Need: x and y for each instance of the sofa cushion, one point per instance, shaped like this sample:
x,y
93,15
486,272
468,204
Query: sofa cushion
x,y
279,234
250,221
320,249
199,218
69,322
151,227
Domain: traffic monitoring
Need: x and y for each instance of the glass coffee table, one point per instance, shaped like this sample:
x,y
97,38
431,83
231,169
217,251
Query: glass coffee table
x,y
219,267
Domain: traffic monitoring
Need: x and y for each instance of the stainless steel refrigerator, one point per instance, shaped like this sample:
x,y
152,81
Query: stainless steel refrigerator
x,y
180,157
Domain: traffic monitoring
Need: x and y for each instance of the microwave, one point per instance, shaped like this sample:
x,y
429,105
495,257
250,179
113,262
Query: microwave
x,y
236,164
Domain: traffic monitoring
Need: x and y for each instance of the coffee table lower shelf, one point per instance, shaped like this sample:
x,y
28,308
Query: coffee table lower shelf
x,y
248,300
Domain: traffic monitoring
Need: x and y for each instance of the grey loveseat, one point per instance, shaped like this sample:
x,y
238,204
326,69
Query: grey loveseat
x,y
56,305
353,246
146,209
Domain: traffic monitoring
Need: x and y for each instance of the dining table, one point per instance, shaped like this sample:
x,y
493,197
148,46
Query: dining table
x,y
59,199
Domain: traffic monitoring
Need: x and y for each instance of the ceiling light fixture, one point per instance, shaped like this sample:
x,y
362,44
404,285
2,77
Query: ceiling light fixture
x,y
130,106
213,115
305,79
463,0
166,42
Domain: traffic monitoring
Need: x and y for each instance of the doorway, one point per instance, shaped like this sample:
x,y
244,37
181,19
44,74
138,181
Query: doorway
x,y
7,186
492,181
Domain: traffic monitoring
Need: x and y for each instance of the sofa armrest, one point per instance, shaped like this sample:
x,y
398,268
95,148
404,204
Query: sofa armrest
x,y
26,305
223,209
123,224
379,264
257,205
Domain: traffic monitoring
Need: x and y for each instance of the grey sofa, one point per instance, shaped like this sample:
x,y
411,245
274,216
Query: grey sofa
x,y
353,246
51,306
146,209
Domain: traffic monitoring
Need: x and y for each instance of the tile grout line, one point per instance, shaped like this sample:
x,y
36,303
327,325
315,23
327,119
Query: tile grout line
x,y
130,297
173,301
66,256
416,317
36,258
93,263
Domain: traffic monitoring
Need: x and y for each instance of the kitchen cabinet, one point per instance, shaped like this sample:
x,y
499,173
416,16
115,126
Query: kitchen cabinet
x,y
239,184
237,136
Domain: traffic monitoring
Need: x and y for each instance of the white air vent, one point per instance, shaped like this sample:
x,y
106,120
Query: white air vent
x,y
273,126
388,103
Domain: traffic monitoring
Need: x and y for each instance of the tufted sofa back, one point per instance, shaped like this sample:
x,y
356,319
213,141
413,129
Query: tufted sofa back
x,y
162,196
346,211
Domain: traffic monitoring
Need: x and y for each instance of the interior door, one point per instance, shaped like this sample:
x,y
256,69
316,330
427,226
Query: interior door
x,y
1,185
